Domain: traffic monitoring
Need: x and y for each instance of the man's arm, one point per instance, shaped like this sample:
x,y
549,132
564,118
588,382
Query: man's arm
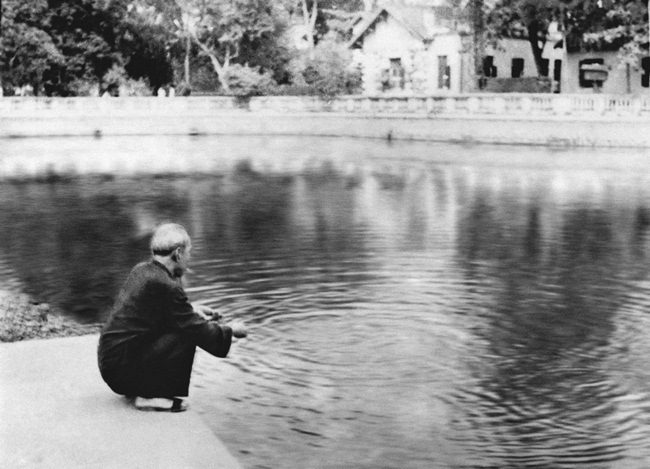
x,y
209,314
212,337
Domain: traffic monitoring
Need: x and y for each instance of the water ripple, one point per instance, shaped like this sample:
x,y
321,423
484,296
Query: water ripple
x,y
430,311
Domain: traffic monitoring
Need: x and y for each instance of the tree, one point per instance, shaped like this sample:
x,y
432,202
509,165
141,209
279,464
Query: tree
x,y
602,24
320,17
477,20
28,51
472,14
225,32
223,28
146,44
66,47
309,16
339,17
525,18
169,17
1,48
624,28
328,71
87,33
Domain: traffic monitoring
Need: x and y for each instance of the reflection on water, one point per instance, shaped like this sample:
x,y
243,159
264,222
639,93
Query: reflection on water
x,y
422,313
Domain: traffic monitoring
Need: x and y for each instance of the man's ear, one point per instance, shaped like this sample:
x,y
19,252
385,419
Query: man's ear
x,y
177,254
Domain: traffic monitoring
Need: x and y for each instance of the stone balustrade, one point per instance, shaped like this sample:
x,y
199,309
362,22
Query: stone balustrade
x,y
468,104
541,119
534,105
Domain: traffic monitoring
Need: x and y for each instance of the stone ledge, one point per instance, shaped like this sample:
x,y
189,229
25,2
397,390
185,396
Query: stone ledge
x,y
57,412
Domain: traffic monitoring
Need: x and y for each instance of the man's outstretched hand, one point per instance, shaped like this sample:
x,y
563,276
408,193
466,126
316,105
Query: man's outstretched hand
x,y
206,312
238,329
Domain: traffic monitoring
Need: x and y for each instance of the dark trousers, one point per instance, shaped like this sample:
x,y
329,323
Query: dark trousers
x,y
162,369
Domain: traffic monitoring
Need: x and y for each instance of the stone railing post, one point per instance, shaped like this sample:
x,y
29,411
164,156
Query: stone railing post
x,y
366,105
450,105
562,105
473,105
526,105
600,105
430,105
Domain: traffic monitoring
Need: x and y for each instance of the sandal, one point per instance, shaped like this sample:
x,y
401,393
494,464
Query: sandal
x,y
161,404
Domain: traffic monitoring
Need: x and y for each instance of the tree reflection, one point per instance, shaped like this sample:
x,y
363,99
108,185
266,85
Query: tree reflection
x,y
556,283
73,243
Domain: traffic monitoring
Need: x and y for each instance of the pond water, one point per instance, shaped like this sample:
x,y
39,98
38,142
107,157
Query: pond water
x,y
410,305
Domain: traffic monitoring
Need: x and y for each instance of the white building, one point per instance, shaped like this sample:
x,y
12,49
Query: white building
x,y
569,71
416,50
424,50
510,58
409,50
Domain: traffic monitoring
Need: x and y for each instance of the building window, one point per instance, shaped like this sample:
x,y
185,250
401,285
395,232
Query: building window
x,y
557,76
444,73
396,74
645,68
545,67
517,67
584,83
557,70
489,70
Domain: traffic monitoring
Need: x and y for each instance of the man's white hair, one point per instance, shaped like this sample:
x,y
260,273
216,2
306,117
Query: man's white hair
x,y
168,237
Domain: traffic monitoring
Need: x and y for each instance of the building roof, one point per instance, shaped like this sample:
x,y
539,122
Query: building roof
x,y
414,18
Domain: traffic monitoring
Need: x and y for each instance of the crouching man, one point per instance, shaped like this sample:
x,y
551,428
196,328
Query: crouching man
x,y
146,348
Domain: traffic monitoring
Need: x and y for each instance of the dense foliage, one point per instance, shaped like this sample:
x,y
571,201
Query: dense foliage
x,y
92,47
66,48
247,47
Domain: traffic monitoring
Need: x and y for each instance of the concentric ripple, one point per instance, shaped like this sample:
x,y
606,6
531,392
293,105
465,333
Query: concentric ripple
x,y
409,305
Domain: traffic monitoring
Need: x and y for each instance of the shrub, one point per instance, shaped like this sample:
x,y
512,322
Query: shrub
x,y
247,81
116,82
518,85
183,89
131,87
294,90
81,87
328,70
112,80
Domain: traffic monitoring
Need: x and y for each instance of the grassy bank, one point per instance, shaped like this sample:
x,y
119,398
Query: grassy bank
x,y
22,319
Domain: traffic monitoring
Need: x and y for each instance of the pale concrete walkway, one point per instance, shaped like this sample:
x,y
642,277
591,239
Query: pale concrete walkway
x,y
56,412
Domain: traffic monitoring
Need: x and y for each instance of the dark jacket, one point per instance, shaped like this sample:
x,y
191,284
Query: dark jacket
x,y
153,303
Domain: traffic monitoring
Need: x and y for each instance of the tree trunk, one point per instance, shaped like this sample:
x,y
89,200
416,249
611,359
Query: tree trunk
x,y
188,50
628,79
478,25
1,89
538,50
309,20
566,69
218,67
